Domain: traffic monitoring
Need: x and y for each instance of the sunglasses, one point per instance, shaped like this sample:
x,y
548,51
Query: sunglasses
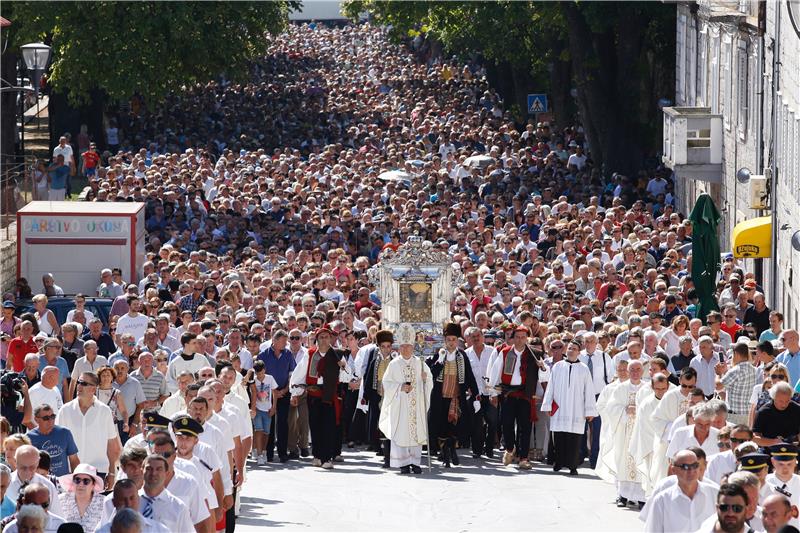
x,y
688,466
737,441
47,418
161,360
294,338
82,481
777,376
83,383
724,507
684,386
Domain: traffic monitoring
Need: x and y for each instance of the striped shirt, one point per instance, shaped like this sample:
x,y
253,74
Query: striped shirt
x,y
154,386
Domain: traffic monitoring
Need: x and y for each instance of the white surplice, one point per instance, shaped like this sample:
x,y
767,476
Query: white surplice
x,y
671,406
404,416
570,388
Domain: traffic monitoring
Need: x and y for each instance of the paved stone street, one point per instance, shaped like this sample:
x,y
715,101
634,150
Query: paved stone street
x,y
360,496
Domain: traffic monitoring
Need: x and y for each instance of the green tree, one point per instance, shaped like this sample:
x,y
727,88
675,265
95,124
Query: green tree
x,y
619,56
111,51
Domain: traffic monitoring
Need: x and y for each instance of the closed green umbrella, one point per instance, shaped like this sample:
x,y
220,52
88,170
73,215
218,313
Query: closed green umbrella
x,y
705,254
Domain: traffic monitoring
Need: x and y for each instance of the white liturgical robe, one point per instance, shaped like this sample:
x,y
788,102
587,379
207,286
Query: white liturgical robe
x,y
404,415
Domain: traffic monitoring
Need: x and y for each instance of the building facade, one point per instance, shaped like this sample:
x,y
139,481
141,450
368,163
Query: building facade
x,y
734,132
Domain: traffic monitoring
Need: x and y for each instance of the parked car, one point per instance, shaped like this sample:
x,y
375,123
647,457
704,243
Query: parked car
x,y
61,305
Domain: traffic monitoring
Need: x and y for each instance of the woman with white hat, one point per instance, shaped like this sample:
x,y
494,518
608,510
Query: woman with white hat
x,y
82,500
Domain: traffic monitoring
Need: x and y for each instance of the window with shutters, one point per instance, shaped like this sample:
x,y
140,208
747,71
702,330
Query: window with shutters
x,y
714,72
727,80
702,70
754,90
742,83
691,62
679,61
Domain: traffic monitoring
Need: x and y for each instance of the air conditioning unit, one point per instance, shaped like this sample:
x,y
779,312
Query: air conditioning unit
x,y
758,192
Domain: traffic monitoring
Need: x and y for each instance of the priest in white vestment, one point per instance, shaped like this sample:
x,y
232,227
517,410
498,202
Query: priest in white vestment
x,y
606,437
646,447
407,386
621,416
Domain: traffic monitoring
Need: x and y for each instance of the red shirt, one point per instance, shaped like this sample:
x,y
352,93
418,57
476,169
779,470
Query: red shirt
x,y
731,330
17,350
90,159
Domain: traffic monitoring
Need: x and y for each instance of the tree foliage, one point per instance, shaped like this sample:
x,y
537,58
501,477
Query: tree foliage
x,y
145,48
619,57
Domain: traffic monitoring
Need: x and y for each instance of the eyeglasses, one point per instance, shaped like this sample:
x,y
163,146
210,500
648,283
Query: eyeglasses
x,y
83,383
736,508
688,466
82,481
47,418
685,386
161,360
737,441
294,338
778,376
166,455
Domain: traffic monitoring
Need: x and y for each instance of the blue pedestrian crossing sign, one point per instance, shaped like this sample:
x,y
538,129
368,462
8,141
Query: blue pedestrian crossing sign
x,y
537,103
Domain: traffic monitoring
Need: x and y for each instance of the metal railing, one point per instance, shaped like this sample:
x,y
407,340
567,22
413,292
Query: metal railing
x,y
18,189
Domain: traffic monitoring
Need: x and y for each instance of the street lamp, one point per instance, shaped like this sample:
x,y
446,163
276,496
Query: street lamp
x,y
36,56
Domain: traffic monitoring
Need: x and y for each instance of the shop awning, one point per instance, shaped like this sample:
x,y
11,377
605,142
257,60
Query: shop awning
x,y
753,238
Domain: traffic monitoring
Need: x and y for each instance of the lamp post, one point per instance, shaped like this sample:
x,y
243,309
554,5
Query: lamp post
x,y
36,56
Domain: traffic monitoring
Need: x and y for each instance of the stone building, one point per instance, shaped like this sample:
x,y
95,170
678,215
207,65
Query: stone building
x,y
734,132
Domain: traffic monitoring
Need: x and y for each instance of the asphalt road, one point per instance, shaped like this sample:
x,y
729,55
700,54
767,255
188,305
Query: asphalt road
x,y
358,495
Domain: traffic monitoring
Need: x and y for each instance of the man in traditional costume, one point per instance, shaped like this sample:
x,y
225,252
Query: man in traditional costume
x,y
317,377
455,394
569,398
673,404
373,391
514,374
407,384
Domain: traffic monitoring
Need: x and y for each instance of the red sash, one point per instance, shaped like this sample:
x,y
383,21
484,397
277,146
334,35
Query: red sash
x,y
312,377
505,379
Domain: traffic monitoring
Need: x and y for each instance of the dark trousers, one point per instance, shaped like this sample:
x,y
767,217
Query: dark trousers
x,y
230,514
566,447
373,415
279,429
517,412
322,420
349,401
592,432
484,427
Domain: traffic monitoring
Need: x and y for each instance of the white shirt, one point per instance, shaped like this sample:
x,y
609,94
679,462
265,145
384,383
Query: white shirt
x,y
12,492
206,463
672,510
684,438
173,404
150,526
40,395
168,510
83,365
91,431
481,366
601,376
53,523
136,326
264,390
792,487
721,464
184,486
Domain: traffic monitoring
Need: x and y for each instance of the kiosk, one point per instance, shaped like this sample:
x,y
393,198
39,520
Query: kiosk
x,y
75,240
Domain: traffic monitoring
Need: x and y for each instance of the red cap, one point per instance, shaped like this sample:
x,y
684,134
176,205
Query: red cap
x,y
325,329
523,329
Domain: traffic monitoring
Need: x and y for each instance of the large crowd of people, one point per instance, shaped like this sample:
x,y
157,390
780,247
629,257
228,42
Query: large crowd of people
x,y
573,340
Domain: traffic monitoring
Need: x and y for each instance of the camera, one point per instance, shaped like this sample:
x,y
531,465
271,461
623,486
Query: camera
x,y
11,383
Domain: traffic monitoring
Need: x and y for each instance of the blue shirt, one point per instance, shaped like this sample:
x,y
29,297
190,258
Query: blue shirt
x,y
58,177
279,368
792,362
63,370
59,444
